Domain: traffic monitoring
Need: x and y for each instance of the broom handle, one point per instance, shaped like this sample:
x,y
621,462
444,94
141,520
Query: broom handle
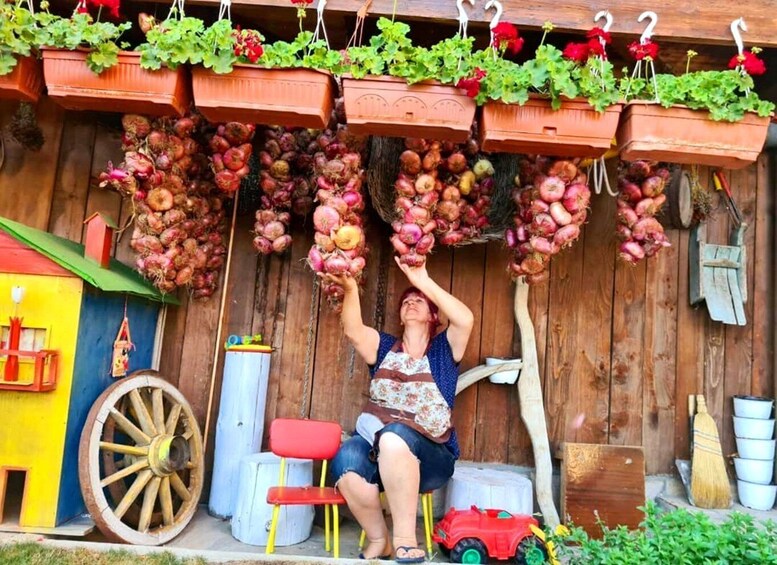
x,y
691,412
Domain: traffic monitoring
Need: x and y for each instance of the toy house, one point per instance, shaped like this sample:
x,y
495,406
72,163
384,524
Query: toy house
x,y
60,311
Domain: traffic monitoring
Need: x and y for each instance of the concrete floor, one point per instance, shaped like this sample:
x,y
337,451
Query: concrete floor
x,y
212,539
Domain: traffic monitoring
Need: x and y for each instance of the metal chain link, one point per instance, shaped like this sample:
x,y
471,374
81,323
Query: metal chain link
x,y
309,349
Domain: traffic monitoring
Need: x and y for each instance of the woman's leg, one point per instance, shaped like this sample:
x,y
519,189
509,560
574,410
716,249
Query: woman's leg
x,y
409,463
357,481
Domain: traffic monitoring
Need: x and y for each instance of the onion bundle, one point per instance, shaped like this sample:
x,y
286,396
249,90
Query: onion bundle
x,y
470,189
340,243
640,197
286,162
179,210
549,213
418,190
230,149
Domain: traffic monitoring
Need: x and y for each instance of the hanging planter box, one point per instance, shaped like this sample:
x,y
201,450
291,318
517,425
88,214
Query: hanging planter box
x,y
681,135
125,87
388,106
287,97
574,130
24,82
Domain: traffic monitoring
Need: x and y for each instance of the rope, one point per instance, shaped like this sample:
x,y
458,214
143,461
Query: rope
x,y
380,300
309,347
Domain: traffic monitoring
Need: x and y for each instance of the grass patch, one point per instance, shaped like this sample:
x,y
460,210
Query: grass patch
x,y
30,553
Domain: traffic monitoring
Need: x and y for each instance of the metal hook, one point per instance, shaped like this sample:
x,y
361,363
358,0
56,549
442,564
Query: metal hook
x,y
463,18
608,19
648,33
736,25
320,27
495,20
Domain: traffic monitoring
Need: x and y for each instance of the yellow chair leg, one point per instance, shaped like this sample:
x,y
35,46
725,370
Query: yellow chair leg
x,y
426,505
326,528
361,540
336,528
276,512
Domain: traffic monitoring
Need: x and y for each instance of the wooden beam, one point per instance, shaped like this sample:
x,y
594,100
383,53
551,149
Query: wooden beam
x,y
705,21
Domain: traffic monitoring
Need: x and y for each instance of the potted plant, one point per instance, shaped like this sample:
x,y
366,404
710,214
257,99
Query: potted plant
x,y
704,117
561,103
86,69
288,83
393,88
21,76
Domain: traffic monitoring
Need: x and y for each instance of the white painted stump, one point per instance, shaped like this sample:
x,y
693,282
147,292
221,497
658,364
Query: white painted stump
x,y
489,488
240,424
251,520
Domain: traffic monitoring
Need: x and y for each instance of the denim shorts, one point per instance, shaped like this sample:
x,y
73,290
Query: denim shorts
x,y
357,455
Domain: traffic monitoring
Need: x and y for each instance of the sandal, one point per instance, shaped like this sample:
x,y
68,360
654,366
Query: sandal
x,y
408,549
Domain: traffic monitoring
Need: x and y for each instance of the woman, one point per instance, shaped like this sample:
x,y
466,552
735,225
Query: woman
x,y
405,442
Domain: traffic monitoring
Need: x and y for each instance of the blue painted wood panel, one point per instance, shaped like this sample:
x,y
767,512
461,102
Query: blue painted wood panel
x,y
101,316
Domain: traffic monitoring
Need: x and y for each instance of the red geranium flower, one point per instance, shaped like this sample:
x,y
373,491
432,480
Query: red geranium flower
x,y
641,50
303,2
506,38
472,84
595,47
111,5
577,52
248,44
599,33
749,62
81,7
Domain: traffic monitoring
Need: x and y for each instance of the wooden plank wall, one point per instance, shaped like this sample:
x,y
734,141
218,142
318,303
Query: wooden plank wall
x,y
619,347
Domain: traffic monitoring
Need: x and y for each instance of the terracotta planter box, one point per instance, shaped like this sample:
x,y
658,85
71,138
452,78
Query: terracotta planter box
x,y
287,97
574,130
388,106
125,87
681,135
24,82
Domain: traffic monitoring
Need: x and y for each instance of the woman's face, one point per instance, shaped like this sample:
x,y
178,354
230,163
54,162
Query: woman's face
x,y
414,308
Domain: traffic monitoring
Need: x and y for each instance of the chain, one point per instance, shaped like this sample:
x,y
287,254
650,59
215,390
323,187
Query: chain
x,y
380,300
309,349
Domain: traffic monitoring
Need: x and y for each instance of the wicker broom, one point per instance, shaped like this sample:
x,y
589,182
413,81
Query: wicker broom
x,y
709,481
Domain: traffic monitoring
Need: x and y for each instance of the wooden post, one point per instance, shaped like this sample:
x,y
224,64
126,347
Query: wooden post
x,y
532,408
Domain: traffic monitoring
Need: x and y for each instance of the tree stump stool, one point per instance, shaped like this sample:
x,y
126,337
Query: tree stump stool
x,y
489,488
251,520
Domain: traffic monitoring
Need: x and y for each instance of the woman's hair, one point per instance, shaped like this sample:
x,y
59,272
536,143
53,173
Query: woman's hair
x,y
434,319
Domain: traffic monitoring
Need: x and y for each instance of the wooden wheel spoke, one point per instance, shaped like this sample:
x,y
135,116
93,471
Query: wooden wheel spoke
x,y
158,409
179,487
141,451
125,472
141,411
129,428
166,501
133,492
149,499
172,419
188,435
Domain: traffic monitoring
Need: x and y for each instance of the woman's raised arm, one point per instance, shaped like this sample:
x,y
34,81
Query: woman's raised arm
x,y
365,339
459,315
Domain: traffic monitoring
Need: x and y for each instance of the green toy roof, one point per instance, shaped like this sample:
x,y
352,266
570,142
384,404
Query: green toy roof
x,y
116,278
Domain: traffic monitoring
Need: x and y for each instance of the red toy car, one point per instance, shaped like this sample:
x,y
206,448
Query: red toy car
x,y
474,535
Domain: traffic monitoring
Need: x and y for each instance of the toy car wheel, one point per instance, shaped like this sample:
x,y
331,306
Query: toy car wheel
x,y
530,544
446,552
469,550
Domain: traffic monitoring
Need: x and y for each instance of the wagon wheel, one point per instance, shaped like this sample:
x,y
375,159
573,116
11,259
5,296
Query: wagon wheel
x,y
141,437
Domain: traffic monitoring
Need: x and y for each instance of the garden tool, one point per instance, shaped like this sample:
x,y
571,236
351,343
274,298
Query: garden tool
x,y
718,272
710,486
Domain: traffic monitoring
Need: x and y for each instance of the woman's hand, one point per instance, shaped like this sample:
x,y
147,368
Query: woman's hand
x,y
346,281
417,276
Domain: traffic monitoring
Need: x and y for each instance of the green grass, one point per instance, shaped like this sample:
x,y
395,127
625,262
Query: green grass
x,y
37,554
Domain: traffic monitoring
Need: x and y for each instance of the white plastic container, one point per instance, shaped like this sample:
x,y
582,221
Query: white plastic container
x,y
756,448
753,407
753,428
757,497
503,377
754,470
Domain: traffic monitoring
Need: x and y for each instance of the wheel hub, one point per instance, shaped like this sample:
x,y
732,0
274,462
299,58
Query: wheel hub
x,y
167,454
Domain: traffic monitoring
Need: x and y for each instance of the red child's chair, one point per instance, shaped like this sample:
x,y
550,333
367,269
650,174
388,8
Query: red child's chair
x,y
305,439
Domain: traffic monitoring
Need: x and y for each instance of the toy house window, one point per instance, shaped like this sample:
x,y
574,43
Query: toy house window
x,y
32,339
